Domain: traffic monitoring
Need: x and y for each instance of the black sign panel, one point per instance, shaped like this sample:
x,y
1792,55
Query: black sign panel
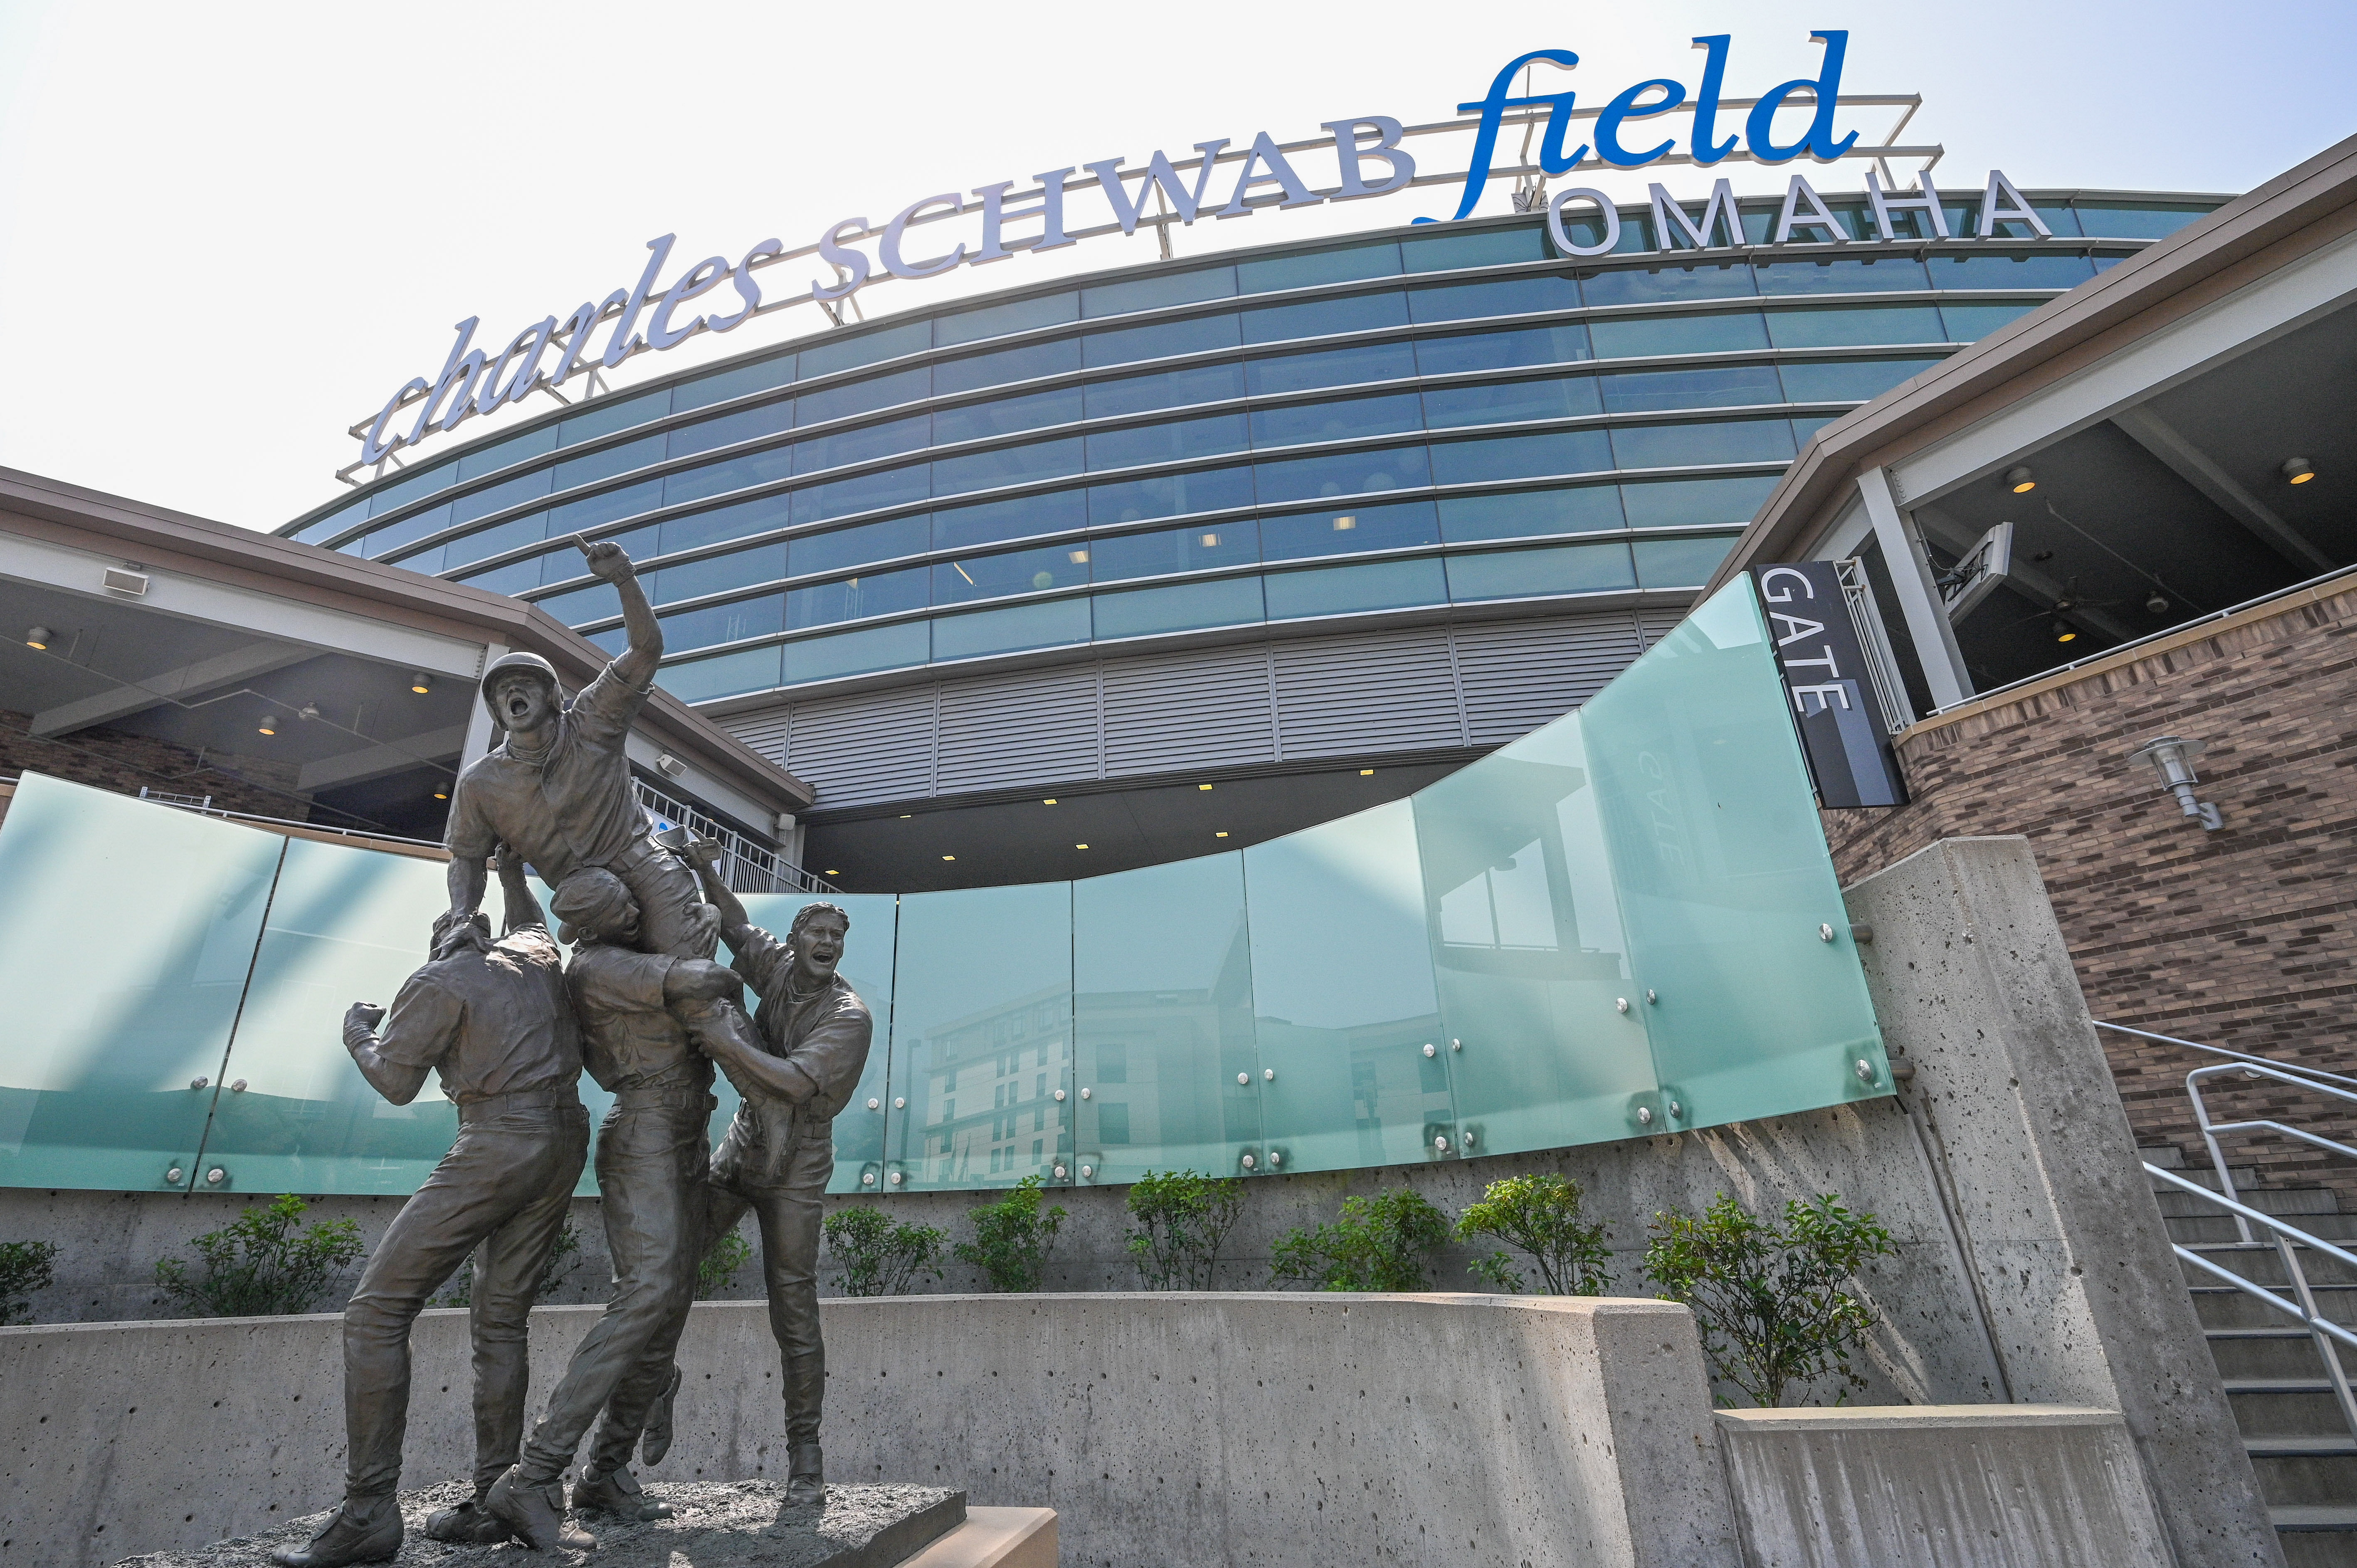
x,y
1824,671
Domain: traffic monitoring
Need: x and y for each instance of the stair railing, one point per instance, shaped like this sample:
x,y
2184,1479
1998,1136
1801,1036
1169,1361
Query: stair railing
x,y
2289,1239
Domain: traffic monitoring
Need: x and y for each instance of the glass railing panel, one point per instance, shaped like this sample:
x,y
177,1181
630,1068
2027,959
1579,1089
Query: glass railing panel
x,y
1727,890
981,1038
1528,951
1342,997
1168,1075
124,942
346,925
868,952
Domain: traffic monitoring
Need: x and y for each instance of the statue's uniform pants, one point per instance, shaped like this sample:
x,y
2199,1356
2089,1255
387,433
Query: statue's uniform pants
x,y
787,1205
668,896
504,1186
653,1154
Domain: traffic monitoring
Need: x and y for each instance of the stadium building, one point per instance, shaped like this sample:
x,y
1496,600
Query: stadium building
x,y
1118,570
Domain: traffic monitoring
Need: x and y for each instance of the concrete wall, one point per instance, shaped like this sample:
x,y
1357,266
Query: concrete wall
x,y
1937,1485
1166,1430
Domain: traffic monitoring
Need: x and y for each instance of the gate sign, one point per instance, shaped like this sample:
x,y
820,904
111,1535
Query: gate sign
x,y
1823,661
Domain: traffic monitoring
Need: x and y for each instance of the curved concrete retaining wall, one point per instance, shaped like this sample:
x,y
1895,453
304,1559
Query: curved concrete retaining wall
x,y
1205,1428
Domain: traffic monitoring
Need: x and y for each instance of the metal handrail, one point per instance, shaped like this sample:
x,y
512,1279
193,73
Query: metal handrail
x,y
745,867
2289,1239
2223,1051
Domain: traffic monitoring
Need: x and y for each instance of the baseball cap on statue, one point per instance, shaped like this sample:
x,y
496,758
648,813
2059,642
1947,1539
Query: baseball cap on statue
x,y
531,663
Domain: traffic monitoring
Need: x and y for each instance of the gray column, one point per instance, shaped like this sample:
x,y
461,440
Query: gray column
x,y
2085,1302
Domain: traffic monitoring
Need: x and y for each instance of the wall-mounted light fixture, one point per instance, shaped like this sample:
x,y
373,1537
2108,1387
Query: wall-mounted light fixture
x,y
2020,479
2172,760
270,724
40,637
2297,470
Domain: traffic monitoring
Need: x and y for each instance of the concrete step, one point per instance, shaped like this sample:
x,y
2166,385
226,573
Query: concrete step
x,y
2307,1480
2280,1406
2223,1306
2259,1262
2266,1353
2219,1226
2315,1518
2284,1200
2319,1548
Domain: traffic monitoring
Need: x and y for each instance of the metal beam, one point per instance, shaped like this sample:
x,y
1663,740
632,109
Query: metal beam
x,y
239,664
2193,464
376,761
1919,600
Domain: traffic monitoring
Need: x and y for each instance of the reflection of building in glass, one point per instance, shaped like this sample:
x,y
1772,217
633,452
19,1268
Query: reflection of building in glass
x,y
1005,1065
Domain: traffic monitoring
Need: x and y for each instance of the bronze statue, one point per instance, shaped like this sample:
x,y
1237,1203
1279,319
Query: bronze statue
x,y
653,1152
492,1019
814,1038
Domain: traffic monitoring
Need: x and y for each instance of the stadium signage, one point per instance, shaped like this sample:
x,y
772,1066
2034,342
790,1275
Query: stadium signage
x,y
1365,155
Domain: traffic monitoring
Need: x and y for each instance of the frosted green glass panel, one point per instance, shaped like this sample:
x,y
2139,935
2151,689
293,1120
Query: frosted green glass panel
x,y
124,941
1342,997
1725,881
1528,951
867,965
981,1034
1167,1073
346,925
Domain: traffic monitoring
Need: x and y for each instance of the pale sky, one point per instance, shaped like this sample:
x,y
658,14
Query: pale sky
x,y
228,230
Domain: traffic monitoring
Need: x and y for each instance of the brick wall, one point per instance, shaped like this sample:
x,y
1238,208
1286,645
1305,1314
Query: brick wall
x,y
2239,938
113,759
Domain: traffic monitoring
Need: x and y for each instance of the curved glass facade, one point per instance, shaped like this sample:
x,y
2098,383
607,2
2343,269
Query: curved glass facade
x,y
1625,923
1388,423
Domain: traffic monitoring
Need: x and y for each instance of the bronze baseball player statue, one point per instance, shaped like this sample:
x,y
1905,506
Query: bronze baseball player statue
x,y
491,1019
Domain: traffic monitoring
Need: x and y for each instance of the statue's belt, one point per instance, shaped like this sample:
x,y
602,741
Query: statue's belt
x,y
683,1096
490,1106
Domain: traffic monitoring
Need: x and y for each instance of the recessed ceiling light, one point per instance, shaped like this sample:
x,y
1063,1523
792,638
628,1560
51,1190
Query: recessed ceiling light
x,y
1077,557
421,682
1211,541
1220,834
1202,786
833,872
270,724
2298,470
39,637
1049,801
2020,479
1366,773
905,815
1080,847
441,791
1344,524
949,857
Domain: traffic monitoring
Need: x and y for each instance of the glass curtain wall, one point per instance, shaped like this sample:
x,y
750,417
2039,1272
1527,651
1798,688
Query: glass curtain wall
x,y
1624,924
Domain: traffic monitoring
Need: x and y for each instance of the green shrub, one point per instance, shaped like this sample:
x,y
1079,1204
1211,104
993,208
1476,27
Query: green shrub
x,y
877,1255
25,1267
1013,1236
1184,1218
1384,1243
260,1265
1539,1215
1771,1299
564,1257
717,1270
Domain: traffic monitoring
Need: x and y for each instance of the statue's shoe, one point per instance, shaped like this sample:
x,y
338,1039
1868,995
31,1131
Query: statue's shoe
x,y
654,1438
617,1492
373,1535
468,1524
536,1514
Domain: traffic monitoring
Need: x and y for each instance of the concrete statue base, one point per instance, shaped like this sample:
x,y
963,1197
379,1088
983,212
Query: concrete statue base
x,y
716,1524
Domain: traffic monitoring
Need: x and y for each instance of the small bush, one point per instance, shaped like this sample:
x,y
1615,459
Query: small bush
x,y
25,1267
1184,1219
1539,1215
1769,1299
1384,1243
718,1269
564,1257
258,1265
878,1256
1013,1236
